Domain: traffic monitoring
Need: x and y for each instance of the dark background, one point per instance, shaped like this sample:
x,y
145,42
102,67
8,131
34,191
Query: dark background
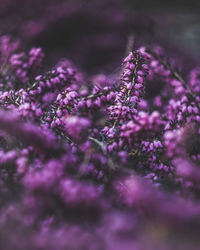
x,y
94,34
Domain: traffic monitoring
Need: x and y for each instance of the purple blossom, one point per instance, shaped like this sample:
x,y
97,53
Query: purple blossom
x,y
89,159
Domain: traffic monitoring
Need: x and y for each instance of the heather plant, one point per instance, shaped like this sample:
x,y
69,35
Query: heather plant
x,y
98,161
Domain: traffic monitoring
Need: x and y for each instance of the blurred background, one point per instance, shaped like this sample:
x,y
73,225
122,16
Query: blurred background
x,y
94,34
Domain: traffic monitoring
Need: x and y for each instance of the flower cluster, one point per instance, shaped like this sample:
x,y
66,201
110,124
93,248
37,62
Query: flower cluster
x,y
97,162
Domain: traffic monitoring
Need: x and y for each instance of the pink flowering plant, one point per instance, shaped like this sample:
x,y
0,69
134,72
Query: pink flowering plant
x,y
98,161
